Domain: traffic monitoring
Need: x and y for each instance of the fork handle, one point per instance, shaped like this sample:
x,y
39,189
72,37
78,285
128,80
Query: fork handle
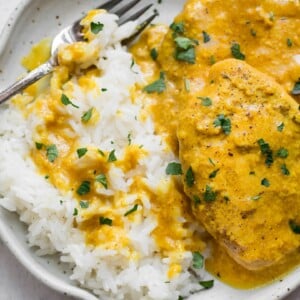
x,y
29,79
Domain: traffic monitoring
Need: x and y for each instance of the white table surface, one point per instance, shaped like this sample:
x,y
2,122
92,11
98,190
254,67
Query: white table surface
x,y
15,282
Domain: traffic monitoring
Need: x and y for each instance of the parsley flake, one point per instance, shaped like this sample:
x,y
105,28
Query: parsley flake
x,y
66,101
102,179
207,284
205,101
294,226
190,177
296,89
185,43
224,123
84,188
87,115
105,221
52,153
196,200
84,204
206,37
39,146
75,212
265,182
187,85
134,209
280,127
289,42
186,55
96,27
81,152
236,51
213,174
282,153
209,195
112,156
266,151
284,170
157,86
174,168
154,54
198,260
178,27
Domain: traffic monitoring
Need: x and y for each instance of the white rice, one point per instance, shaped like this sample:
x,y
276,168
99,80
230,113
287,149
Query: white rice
x,y
49,212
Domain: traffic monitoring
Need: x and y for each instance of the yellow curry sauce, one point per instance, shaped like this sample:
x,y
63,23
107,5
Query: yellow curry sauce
x,y
266,33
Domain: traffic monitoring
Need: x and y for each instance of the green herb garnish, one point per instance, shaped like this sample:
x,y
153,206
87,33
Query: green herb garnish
x,y
280,127
187,85
282,153
105,221
186,55
189,177
265,182
289,42
207,284
284,170
134,209
87,115
84,204
75,212
174,168
211,161
206,37
253,32
154,54
209,195
236,51
112,156
205,101
294,226
178,27
212,60
214,173
196,200
39,146
102,179
52,153
157,86
84,188
185,43
96,27
266,151
81,152
296,89
198,260
66,101
224,123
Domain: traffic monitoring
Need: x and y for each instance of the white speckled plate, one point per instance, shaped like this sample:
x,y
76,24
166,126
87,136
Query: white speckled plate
x,y
32,21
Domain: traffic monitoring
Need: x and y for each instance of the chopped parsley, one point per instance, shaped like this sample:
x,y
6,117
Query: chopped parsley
x,y
178,27
84,188
282,153
84,204
211,161
296,89
185,43
196,200
101,152
52,153
157,86
265,182
266,151
188,55
209,195
253,32
284,170
289,42
224,123
198,260
87,115
205,101
190,177
102,179
96,27
154,54
105,221
75,212
66,101
206,37
294,226
212,60
39,146
213,174
81,152
280,127
207,284
134,209
103,90
129,139
174,168
236,51
112,156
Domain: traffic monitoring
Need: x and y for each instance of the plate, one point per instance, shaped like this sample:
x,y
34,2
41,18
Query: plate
x,y
32,21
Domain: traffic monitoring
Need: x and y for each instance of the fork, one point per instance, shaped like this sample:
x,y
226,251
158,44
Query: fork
x,y
73,33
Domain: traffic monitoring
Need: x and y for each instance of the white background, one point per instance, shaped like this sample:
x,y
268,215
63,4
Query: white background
x,y
15,282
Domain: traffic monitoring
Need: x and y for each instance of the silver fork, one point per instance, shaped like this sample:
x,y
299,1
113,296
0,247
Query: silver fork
x,y
72,34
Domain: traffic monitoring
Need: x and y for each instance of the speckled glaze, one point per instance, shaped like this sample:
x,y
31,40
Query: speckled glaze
x,y
29,23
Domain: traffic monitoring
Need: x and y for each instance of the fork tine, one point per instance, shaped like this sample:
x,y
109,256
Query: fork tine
x,y
140,28
121,11
110,4
136,15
